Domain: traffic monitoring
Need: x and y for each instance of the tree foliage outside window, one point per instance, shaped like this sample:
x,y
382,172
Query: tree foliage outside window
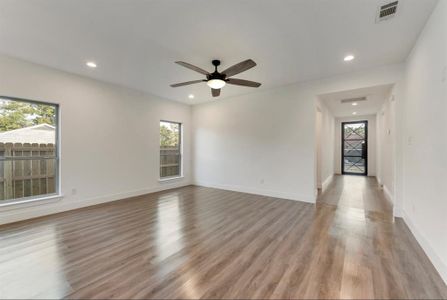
x,y
170,149
16,114
169,134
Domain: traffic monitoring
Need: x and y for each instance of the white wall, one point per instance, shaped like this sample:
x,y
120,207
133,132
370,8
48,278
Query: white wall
x,y
372,146
109,136
386,146
425,139
325,145
260,143
318,160
264,142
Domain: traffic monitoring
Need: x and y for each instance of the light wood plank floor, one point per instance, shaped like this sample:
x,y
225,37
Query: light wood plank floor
x,y
197,242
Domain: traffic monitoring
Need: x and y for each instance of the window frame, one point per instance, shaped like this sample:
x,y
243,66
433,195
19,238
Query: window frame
x,y
180,175
56,157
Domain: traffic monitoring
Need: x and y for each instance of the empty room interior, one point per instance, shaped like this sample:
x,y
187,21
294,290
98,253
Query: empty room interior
x,y
242,149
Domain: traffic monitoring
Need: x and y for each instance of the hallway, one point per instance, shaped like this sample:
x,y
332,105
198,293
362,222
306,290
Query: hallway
x,y
361,192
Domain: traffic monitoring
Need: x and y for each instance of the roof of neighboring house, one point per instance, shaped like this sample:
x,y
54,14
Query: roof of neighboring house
x,y
41,134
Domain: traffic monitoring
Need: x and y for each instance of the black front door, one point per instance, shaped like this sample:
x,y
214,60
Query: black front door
x,y
354,150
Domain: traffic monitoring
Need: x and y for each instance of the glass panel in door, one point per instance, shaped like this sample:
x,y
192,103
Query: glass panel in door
x,y
354,147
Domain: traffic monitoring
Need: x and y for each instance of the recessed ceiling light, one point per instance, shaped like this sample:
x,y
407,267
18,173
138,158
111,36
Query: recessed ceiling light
x,y
91,64
354,113
354,103
349,57
191,96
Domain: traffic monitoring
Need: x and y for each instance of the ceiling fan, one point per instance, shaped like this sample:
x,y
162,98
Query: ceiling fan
x,y
217,80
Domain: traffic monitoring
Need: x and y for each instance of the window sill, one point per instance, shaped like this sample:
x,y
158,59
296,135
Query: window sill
x,y
24,202
167,179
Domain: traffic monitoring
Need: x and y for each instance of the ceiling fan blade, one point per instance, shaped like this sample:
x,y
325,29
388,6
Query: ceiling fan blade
x,y
215,92
243,82
192,67
186,83
240,67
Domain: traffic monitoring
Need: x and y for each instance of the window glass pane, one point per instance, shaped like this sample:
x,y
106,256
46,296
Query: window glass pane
x,y
170,149
28,150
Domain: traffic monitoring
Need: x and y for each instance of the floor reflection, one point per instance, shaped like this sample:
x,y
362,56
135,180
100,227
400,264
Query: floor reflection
x,y
169,236
36,270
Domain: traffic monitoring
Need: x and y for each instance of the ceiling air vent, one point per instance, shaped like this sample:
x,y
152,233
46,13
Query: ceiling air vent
x,y
386,11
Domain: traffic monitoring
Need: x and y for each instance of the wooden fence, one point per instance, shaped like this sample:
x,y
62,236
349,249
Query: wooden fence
x,y
23,176
170,162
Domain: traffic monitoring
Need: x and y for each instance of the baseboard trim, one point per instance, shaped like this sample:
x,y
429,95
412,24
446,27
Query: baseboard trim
x,y
25,213
327,182
437,262
262,192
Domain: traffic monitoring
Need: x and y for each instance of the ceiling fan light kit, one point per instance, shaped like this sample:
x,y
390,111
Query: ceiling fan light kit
x,y
216,83
217,80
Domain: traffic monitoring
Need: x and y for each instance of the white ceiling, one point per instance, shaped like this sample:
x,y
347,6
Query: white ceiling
x,y
135,43
375,97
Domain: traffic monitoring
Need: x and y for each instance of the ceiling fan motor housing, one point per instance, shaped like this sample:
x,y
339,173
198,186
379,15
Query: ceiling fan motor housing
x,y
216,74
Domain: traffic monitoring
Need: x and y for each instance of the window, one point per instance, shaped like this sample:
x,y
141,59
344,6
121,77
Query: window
x,y
170,149
28,149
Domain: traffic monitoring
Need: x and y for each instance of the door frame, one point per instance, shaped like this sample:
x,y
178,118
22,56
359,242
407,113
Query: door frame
x,y
343,150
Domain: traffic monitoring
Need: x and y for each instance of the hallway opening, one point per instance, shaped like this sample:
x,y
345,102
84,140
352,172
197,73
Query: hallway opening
x,y
355,136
